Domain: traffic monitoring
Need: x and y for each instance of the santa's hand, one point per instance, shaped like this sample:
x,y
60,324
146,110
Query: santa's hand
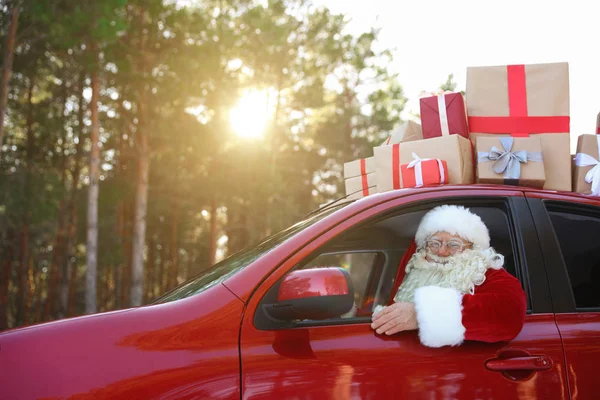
x,y
395,318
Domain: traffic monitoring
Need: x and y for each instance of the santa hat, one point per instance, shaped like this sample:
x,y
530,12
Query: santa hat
x,y
456,220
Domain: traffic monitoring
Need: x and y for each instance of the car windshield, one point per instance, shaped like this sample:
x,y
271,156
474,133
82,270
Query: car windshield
x,y
236,262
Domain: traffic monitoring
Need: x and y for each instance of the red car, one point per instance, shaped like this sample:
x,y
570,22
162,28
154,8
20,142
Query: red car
x,y
290,317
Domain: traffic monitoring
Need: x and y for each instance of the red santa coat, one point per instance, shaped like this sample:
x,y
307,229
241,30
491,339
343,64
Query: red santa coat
x,y
495,312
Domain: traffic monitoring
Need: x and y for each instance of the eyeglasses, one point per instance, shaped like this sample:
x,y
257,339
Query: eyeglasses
x,y
453,246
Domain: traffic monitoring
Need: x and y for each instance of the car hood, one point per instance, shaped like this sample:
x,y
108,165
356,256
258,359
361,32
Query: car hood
x,y
85,354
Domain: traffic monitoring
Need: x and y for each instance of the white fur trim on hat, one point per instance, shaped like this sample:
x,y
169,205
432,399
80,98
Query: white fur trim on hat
x,y
439,316
456,220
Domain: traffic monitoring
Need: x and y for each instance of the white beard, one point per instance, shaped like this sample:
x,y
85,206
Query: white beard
x,y
461,272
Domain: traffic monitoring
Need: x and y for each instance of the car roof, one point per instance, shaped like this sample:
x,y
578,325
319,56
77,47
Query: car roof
x,y
377,197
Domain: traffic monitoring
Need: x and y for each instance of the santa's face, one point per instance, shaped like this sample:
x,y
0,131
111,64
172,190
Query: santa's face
x,y
446,261
442,245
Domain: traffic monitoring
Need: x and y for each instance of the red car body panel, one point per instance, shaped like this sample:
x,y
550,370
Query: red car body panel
x,y
178,350
581,337
350,361
191,348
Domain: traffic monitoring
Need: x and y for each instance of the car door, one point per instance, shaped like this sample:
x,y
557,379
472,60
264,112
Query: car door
x,y
343,358
569,234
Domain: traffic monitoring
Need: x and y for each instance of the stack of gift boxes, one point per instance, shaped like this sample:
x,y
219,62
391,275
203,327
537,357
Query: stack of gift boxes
x,y
513,129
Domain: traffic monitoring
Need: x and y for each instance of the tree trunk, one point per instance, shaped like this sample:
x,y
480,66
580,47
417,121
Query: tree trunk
x,y
58,254
150,269
275,144
72,280
162,268
212,245
174,251
9,50
24,242
69,276
4,283
106,289
141,206
125,271
30,293
92,212
22,275
190,266
55,270
71,230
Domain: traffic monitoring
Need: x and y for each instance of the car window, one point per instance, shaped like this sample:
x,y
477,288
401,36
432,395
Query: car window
x,y
236,262
390,237
363,268
577,234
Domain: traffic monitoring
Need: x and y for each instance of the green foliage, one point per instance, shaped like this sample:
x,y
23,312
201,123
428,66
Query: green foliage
x,y
449,85
331,95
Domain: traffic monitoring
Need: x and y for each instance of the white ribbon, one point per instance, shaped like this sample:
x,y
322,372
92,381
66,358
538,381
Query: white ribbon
x,y
443,116
416,164
593,175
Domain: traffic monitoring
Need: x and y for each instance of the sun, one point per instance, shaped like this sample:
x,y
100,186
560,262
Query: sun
x,y
250,116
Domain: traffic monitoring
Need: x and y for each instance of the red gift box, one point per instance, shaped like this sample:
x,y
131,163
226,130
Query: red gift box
x,y
422,172
444,115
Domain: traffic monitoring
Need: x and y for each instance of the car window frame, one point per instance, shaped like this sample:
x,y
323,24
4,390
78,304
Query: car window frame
x,y
558,275
518,215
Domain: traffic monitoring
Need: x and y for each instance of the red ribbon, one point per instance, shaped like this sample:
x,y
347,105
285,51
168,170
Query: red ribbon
x,y
396,165
517,94
365,185
598,130
519,124
363,174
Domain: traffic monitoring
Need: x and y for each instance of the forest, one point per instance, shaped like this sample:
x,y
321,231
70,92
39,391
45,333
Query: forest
x,y
141,141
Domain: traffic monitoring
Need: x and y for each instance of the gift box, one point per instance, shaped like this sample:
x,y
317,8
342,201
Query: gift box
x,y
424,171
455,150
359,167
510,161
524,100
407,132
444,115
586,165
361,186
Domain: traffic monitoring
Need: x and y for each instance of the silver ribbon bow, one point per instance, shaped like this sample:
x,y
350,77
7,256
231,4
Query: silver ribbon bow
x,y
508,162
593,175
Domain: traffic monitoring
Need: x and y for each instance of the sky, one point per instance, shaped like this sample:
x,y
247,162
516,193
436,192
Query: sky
x,y
433,38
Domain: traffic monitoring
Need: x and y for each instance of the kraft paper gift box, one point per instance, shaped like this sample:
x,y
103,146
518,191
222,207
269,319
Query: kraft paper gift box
x,y
407,132
524,100
586,166
361,186
455,150
444,115
510,161
362,166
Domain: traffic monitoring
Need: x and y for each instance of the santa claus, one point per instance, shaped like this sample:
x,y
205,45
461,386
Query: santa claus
x,y
455,288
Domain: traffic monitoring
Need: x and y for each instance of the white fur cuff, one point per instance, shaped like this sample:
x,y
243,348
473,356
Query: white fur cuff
x,y
439,315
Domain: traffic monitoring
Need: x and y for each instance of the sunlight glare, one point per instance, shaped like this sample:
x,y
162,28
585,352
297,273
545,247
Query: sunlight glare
x,y
249,118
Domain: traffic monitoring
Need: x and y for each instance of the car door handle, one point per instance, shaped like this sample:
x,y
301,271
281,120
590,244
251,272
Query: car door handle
x,y
531,363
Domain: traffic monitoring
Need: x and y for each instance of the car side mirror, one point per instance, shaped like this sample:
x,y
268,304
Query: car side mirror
x,y
315,294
